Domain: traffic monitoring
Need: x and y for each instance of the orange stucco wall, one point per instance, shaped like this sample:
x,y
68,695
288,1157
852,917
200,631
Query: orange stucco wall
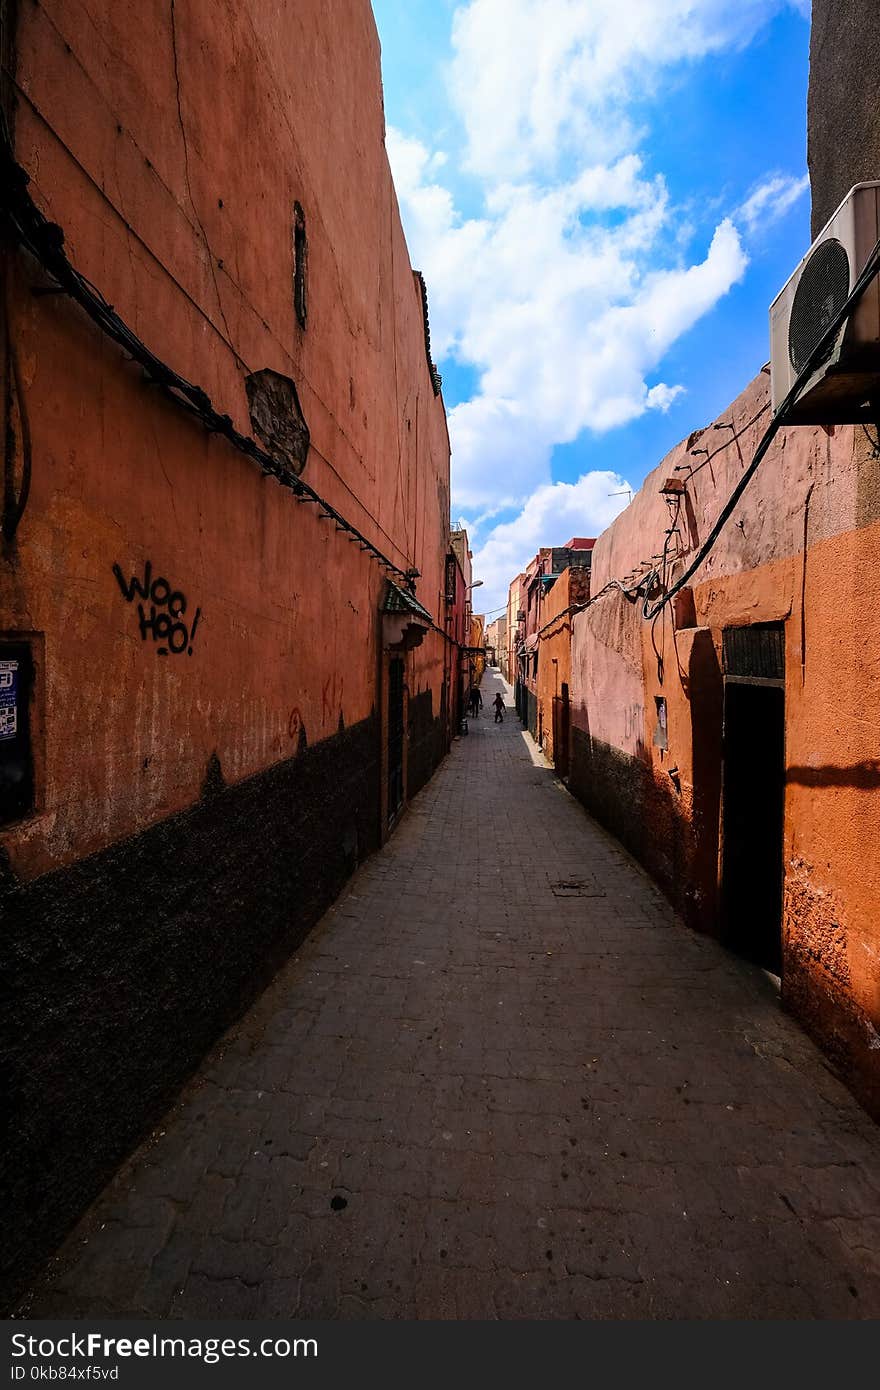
x,y
554,659
196,811
476,639
800,550
171,144
515,605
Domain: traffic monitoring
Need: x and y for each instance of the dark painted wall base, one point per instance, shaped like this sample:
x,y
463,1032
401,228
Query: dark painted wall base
x,y
427,741
126,967
620,791
527,707
834,1023
648,818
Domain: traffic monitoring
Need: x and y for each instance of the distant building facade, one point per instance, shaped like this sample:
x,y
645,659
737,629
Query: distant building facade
x,y
476,649
566,593
516,618
496,640
459,586
540,575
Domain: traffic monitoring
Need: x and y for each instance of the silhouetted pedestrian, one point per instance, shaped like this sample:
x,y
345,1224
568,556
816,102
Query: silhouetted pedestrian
x,y
498,702
476,700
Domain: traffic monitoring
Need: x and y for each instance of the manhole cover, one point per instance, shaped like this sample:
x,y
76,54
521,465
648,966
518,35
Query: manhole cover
x,y
577,888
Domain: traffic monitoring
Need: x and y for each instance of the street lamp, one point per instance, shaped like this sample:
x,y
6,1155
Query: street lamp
x,y
467,593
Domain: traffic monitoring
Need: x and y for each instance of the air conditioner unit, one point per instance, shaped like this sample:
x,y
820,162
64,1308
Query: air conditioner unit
x,y
845,387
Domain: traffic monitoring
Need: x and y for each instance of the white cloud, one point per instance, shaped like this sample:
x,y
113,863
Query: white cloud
x,y
565,312
770,201
552,515
569,288
534,80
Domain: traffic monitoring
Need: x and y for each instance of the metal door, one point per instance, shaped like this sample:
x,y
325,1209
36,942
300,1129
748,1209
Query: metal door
x,y
753,792
395,737
561,726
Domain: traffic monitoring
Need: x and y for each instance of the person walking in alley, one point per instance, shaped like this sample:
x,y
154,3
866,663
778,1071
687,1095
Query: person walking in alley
x,y
476,701
498,703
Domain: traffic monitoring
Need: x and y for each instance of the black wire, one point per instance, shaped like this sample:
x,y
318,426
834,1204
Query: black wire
x,y
12,517
874,443
695,468
631,592
657,653
869,271
661,660
45,241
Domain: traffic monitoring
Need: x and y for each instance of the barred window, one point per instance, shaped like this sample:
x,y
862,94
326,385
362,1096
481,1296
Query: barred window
x,y
300,265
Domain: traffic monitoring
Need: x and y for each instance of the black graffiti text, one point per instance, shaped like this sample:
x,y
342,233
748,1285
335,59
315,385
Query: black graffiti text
x,y
160,611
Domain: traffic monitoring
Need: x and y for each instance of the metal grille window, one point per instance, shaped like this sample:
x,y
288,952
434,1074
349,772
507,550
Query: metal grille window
x,y
395,737
300,265
450,578
755,653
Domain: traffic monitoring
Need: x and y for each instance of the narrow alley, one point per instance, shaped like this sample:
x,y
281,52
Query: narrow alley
x,y
499,1080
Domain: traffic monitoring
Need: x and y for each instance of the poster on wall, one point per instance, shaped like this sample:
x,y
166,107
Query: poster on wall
x,y
8,699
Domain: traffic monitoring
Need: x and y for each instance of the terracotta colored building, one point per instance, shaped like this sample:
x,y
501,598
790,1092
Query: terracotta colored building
x,y
540,575
496,639
554,663
458,623
477,648
731,744
223,648
516,617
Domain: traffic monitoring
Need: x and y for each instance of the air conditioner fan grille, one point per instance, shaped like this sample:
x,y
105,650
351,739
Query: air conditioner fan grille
x,y
821,293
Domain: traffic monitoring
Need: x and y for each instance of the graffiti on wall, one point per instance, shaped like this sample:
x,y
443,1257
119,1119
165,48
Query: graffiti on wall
x,y
331,696
633,716
161,611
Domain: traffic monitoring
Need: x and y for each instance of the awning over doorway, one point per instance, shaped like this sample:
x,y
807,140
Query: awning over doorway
x,y
404,620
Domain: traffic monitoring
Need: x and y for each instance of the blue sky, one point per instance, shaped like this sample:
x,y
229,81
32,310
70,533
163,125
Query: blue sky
x,y
604,198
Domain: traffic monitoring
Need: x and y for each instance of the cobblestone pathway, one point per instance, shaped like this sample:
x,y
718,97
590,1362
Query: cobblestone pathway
x,y
476,1092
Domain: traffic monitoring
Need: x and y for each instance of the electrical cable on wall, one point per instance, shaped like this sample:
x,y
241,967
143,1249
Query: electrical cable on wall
x,y
874,440
869,272
199,308
644,586
694,468
648,582
630,592
14,504
45,241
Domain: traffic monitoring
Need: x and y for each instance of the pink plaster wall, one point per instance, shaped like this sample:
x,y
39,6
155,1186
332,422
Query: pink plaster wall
x,y
800,549
170,142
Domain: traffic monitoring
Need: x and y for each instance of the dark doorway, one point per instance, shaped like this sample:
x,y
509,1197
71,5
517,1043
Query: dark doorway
x,y
752,821
561,730
395,737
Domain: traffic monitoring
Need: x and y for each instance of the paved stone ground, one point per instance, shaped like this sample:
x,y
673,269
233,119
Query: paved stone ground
x,y
475,1093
